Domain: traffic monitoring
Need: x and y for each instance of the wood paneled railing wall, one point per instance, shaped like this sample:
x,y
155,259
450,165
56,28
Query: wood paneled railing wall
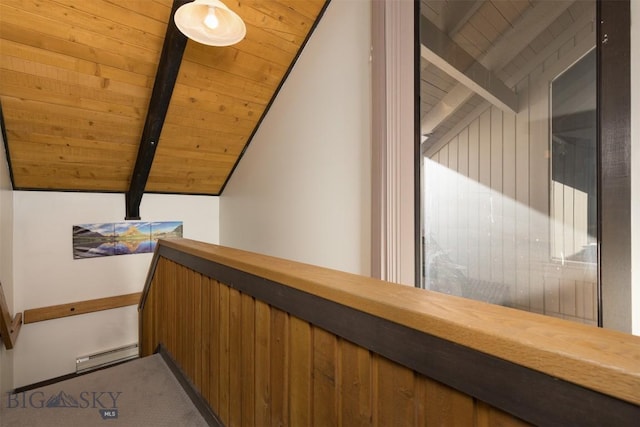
x,y
268,341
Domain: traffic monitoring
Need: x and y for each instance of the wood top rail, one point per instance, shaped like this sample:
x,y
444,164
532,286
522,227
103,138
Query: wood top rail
x,y
80,307
602,360
8,328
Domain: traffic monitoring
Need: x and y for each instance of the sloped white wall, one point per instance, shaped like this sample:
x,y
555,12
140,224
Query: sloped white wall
x,y
45,273
302,189
6,264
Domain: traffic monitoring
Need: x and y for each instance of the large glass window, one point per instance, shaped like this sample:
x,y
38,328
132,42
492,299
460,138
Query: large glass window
x,y
509,153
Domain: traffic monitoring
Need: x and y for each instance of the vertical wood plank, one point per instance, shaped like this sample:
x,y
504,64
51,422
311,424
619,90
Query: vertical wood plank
x,y
474,197
206,328
462,201
263,364
224,357
496,222
160,304
150,324
557,227
179,320
172,312
509,202
185,321
214,379
484,149
375,389
568,297
356,389
446,406
395,393
522,197
248,361
484,211
450,201
197,329
488,416
279,371
551,295
580,300
420,399
300,372
325,387
442,227
463,152
235,358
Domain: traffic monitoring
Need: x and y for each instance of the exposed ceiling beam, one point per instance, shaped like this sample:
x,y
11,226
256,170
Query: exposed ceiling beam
x,y
438,49
448,105
500,54
168,67
3,134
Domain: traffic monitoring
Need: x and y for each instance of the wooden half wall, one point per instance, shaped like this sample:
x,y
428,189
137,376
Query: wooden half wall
x,y
268,341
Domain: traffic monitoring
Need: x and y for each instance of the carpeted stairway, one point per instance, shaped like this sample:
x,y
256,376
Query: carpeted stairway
x,y
142,392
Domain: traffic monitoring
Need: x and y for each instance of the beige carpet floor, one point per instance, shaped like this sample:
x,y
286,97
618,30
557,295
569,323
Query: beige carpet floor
x,y
142,392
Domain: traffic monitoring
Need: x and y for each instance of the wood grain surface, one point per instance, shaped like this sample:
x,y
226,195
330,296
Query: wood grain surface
x,y
603,360
80,307
76,78
272,365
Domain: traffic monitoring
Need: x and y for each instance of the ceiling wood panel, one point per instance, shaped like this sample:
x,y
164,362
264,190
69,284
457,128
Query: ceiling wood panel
x,y
76,78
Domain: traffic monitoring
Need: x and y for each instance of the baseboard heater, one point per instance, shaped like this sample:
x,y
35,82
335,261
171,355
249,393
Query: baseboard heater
x,y
106,358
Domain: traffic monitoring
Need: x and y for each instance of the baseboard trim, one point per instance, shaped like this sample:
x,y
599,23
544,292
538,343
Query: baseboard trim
x,y
210,417
65,377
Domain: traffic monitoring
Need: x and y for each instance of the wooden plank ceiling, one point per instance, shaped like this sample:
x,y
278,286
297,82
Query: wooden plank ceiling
x,y
76,78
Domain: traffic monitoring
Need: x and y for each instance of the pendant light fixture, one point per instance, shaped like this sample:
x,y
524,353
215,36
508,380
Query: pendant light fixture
x,y
210,22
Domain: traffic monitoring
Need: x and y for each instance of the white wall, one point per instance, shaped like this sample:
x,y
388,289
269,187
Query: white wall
x,y
6,264
635,168
302,189
45,273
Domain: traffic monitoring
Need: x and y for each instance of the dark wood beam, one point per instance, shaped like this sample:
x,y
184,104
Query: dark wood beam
x,y
6,147
170,60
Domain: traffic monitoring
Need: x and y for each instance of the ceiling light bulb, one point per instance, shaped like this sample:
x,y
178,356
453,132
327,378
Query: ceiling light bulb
x,y
211,20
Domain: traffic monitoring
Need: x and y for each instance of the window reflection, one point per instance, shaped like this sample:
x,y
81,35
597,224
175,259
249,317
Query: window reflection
x,y
509,195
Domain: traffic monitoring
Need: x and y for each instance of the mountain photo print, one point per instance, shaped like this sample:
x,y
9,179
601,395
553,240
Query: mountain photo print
x,y
121,238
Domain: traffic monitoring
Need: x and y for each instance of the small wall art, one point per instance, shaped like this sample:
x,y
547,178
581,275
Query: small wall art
x,y
121,238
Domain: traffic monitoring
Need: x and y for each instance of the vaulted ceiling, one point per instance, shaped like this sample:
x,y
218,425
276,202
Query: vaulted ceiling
x,y
77,77
76,81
